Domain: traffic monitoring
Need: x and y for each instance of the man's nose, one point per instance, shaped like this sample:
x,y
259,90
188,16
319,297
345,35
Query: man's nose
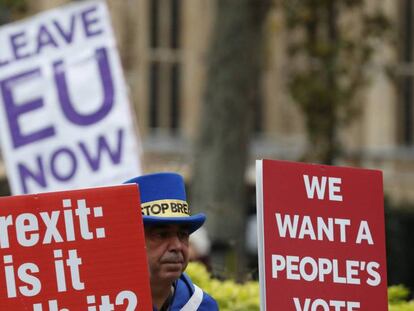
x,y
175,243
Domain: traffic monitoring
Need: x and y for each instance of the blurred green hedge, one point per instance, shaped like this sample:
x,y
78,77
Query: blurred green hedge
x,y
232,296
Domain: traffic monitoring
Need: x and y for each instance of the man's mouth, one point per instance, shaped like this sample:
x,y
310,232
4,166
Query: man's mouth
x,y
172,262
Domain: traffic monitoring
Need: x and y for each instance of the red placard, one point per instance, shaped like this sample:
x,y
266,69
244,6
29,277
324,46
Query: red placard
x,y
321,237
73,251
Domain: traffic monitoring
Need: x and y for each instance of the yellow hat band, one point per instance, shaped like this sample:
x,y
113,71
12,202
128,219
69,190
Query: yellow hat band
x,y
165,208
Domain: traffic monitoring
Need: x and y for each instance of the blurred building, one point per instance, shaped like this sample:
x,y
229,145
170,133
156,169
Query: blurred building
x,y
163,45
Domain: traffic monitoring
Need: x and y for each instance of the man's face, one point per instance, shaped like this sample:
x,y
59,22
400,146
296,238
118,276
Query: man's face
x,y
167,251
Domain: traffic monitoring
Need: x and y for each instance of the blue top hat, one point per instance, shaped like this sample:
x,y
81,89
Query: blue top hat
x,y
163,201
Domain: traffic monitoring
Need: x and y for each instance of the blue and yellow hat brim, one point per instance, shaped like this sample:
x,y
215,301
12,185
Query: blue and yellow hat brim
x,y
193,223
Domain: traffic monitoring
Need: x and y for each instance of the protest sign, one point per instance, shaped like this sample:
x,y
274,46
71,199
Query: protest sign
x,y
321,237
65,119
73,250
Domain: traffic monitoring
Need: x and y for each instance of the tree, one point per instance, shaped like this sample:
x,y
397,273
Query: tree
x,y
231,90
331,48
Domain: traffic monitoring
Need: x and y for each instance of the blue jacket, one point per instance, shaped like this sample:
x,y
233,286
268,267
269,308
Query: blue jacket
x,y
186,290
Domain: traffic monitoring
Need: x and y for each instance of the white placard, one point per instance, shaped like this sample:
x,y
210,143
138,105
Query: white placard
x,y
65,118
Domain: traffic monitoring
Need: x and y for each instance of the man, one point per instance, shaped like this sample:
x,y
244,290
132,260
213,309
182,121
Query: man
x,y
168,225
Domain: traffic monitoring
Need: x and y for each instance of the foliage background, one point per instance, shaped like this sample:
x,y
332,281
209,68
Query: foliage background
x,y
233,296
